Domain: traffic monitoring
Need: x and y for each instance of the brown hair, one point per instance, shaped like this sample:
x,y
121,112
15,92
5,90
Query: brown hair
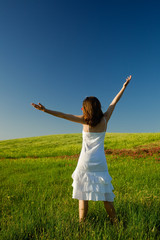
x,y
92,111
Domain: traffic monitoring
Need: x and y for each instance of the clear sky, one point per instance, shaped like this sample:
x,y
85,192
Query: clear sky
x,y
57,52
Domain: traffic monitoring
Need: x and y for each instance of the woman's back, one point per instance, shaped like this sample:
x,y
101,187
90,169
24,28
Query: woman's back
x,y
100,127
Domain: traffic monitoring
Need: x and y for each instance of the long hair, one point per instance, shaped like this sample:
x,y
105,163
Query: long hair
x,y
92,111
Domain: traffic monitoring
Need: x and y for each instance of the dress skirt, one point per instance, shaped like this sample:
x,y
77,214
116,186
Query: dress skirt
x,y
95,186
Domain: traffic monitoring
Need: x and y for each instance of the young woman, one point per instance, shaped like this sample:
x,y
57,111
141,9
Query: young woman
x,y
91,179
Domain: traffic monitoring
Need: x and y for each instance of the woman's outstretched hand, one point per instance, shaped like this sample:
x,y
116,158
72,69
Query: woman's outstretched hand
x,y
39,106
128,79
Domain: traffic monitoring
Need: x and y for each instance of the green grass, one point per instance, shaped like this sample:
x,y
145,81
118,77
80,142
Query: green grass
x,y
36,192
70,144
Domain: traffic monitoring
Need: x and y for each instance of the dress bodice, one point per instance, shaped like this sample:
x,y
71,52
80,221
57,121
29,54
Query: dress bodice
x,y
92,156
92,141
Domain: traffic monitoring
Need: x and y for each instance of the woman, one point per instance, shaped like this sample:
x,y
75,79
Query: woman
x,y
91,179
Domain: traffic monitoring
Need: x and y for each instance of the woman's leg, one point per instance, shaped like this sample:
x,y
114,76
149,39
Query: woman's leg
x,y
83,208
111,211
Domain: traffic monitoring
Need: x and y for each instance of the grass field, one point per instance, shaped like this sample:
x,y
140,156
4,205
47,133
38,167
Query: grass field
x,y
36,192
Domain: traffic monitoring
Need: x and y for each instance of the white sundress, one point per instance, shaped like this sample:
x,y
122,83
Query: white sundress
x,y
91,179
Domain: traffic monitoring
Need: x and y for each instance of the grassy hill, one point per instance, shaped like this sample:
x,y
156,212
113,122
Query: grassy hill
x,y
36,188
70,144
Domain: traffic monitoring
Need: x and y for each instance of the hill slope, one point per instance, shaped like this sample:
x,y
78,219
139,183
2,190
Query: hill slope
x,y
70,144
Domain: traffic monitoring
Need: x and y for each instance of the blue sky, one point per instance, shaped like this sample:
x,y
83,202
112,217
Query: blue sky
x,y
58,52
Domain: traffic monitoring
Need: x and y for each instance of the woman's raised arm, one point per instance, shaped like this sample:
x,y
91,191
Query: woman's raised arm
x,y
111,107
70,117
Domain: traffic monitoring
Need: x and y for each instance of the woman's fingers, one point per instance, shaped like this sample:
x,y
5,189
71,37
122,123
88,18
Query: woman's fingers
x,y
127,81
39,106
35,105
128,78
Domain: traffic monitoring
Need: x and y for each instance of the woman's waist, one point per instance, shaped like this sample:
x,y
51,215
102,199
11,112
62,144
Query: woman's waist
x,y
92,153
92,157
92,166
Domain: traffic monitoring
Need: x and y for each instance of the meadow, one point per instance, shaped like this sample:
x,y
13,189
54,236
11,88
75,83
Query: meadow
x,y
36,188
